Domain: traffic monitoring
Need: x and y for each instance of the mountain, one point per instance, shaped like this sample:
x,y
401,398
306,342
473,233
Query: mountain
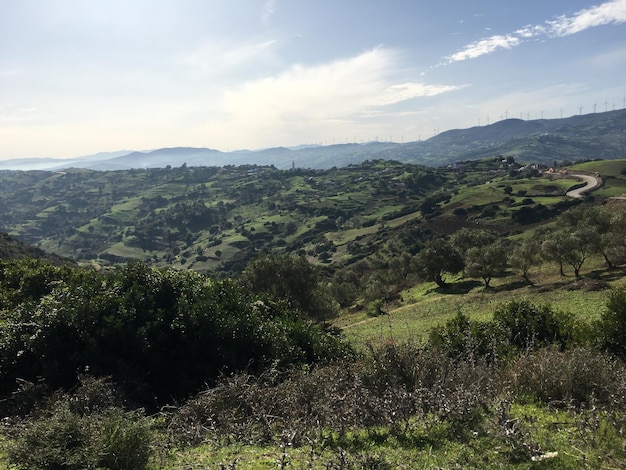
x,y
584,137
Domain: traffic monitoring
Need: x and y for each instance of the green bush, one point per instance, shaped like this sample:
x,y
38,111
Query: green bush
x,y
462,338
611,328
160,334
517,326
527,326
82,430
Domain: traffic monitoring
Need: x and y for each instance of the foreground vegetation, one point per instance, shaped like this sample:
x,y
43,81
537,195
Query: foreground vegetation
x,y
524,386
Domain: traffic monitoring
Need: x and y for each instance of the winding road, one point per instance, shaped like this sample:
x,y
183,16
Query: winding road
x,y
592,182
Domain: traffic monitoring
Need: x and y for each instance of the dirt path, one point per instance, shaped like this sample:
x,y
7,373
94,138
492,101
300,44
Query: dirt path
x,y
592,182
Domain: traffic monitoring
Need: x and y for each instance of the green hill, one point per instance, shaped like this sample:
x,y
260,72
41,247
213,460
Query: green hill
x,y
216,219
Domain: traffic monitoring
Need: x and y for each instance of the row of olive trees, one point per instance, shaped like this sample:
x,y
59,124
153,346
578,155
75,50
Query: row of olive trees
x,y
477,253
578,234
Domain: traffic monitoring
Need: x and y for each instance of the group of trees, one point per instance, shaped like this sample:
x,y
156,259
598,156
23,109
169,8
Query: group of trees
x,y
578,234
476,253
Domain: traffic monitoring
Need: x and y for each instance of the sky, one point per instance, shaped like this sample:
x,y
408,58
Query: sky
x,y
79,77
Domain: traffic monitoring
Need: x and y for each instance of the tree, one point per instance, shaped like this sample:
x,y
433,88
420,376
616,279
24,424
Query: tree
x,y
603,230
428,206
437,258
523,256
552,249
483,253
485,261
291,278
467,238
571,246
610,227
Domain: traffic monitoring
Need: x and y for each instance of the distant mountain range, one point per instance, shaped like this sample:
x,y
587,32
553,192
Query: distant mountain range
x,y
584,137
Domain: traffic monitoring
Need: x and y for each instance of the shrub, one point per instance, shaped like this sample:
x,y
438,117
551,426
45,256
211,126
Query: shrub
x,y
82,430
573,377
527,326
462,338
392,387
160,334
612,324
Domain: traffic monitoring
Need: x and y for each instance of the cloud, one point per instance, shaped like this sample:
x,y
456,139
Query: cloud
x,y
485,46
608,13
268,11
406,91
320,96
613,12
335,89
218,57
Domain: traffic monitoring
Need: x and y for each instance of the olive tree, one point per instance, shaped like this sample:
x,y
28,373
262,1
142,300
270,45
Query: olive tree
x,y
486,261
523,256
437,258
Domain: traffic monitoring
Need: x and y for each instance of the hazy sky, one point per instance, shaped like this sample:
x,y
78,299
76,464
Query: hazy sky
x,y
82,76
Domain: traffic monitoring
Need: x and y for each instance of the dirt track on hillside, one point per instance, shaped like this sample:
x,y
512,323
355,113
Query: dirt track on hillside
x,y
592,182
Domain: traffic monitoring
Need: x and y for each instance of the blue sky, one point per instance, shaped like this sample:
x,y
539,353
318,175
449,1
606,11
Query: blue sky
x,y
83,76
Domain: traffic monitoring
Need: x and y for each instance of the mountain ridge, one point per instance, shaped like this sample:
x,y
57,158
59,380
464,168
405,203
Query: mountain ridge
x,y
589,136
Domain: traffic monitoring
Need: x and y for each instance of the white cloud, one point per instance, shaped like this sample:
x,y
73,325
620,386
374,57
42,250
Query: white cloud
x,y
216,56
485,46
319,97
406,91
608,13
613,12
334,89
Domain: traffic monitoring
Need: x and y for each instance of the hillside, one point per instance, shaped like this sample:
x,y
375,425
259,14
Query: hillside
x,y
217,219
11,248
590,136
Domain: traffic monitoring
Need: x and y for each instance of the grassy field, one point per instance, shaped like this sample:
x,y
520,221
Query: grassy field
x,y
425,306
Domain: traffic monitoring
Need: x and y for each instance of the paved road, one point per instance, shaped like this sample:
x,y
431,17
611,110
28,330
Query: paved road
x,y
591,183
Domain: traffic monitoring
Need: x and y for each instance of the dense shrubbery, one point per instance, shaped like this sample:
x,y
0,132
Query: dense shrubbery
x,y
392,387
88,428
160,334
516,327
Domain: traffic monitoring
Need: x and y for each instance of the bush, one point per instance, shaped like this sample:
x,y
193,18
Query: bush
x,y
462,338
574,377
612,324
160,334
82,430
392,387
527,326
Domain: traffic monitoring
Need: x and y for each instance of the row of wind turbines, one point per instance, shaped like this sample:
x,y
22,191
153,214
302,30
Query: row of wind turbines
x,y
505,115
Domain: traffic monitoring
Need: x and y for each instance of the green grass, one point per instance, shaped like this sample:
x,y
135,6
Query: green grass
x,y
604,167
424,306
532,437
